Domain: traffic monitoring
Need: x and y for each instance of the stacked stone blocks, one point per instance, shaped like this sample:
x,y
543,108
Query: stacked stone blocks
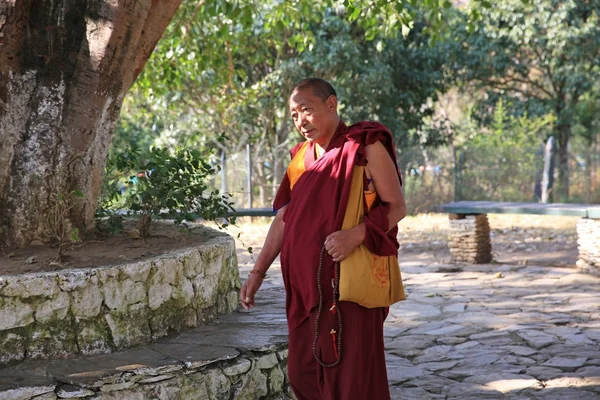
x,y
469,240
99,310
588,241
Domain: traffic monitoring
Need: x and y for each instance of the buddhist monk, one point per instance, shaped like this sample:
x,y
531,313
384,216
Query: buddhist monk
x,y
330,360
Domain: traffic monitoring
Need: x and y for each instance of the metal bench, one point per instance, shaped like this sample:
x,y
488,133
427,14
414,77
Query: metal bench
x,y
469,240
253,212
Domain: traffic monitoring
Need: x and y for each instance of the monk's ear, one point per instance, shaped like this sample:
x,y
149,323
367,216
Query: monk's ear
x,y
332,103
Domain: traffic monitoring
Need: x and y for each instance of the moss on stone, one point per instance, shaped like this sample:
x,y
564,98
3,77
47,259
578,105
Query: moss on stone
x,y
51,340
13,345
94,336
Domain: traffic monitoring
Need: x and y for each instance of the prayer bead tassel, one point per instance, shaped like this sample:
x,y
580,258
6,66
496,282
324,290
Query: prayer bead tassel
x,y
335,351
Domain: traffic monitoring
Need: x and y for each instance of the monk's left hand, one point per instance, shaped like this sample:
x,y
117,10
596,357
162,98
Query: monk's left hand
x,y
340,244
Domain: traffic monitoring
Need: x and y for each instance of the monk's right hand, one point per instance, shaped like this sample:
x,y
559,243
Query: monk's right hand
x,y
249,289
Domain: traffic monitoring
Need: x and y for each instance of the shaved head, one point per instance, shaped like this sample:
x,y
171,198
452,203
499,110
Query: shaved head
x,y
320,87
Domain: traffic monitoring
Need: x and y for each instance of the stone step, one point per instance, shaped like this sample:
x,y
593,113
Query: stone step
x,y
241,355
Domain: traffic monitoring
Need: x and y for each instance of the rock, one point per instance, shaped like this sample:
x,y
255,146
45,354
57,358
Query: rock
x,y
30,260
130,329
118,295
239,368
412,310
566,364
26,286
450,340
14,347
196,356
472,391
509,359
25,392
158,293
521,350
434,353
438,366
86,301
276,380
282,355
537,339
218,384
73,392
543,373
431,383
495,338
407,345
398,374
55,308
266,362
446,330
14,313
157,378
117,386
254,386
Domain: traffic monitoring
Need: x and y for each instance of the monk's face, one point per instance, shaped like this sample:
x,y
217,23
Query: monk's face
x,y
316,119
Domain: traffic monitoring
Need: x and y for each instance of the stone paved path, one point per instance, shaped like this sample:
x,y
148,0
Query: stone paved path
x,y
492,332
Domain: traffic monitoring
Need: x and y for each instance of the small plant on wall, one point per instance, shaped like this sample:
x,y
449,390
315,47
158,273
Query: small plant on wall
x,y
58,227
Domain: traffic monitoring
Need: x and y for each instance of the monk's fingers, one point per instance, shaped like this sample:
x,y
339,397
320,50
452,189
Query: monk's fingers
x,y
243,293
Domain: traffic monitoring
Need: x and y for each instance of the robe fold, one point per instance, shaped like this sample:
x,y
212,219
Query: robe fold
x,y
316,193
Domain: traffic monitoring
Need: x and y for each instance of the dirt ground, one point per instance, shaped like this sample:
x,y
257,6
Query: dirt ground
x,y
111,250
540,240
518,239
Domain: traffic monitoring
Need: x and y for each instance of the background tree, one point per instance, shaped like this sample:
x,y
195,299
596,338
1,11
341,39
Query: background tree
x,y
394,80
543,55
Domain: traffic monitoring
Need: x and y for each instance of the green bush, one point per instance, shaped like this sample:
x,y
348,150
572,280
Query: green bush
x,y
164,185
500,164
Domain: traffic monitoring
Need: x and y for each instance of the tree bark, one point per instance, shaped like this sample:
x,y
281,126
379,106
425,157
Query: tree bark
x,y
65,66
563,133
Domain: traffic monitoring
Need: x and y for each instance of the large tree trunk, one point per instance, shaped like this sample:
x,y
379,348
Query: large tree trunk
x,y
65,66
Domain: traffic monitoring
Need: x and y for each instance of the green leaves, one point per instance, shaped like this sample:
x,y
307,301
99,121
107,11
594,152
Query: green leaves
x,y
169,184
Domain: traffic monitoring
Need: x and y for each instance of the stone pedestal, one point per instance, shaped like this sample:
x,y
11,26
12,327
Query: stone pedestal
x,y
469,240
588,241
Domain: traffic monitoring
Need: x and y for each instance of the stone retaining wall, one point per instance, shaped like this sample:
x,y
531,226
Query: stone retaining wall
x,y
99,310
588,240
246,377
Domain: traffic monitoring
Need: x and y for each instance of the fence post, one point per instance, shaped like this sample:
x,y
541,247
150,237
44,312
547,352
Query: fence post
x,y
249,175
548,174
224,187
459,159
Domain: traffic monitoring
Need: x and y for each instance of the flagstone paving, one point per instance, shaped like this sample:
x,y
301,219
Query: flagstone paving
x,y
492,331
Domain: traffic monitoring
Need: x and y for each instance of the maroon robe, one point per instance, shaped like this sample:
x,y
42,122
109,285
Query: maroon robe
x,y
316,208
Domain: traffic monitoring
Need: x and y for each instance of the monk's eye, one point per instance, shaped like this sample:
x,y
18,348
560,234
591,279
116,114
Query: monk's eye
x,y
306,109
294,116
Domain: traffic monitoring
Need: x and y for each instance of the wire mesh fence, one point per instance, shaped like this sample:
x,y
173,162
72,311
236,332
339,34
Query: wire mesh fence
x,y
440,175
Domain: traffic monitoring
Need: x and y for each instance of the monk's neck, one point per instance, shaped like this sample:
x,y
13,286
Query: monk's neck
x,y
324,142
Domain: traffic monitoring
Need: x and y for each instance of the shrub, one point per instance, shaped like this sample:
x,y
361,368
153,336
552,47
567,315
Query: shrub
x,y
167,184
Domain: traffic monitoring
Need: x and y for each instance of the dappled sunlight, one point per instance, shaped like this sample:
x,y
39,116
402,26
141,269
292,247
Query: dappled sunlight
x,y
515,385
489,330
99,33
